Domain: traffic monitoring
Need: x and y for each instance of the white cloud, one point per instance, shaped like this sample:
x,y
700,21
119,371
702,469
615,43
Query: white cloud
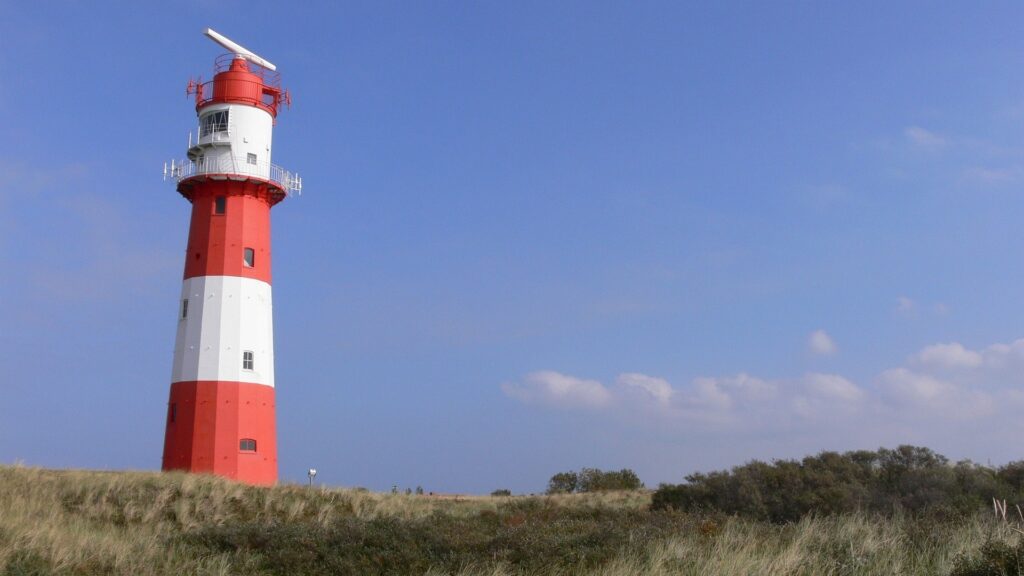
x,y
821,343
963,402
990,176
923,396
656,388
922,138
952,355
749,387
833,386
555,389
915,387
905,306
827,396
708,392
941,383
910,308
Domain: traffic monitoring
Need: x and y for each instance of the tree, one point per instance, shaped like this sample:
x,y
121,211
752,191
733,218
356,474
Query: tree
x,y
910,478
595,480
563,483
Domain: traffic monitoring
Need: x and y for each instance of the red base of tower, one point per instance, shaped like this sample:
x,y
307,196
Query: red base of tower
x,y
223,428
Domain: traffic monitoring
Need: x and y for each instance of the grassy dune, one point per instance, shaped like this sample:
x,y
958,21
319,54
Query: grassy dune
x,y
77,522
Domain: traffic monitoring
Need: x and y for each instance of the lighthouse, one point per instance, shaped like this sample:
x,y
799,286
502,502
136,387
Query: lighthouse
x,y
220,415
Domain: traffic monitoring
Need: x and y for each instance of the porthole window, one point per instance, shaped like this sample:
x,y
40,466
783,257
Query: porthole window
x,y
249,258
247,445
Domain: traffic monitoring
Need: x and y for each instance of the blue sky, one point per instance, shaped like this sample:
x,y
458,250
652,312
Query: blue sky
x,y
535,236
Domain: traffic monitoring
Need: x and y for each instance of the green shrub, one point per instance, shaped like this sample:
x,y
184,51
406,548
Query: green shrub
x,y
908,478
993,559
563,483
594,480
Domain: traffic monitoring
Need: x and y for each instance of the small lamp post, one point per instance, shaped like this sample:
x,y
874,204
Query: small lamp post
x,y
311,474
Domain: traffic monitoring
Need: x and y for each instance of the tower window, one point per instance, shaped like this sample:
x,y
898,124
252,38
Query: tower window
x,y
247,445
247,360
220,204
250,158
184,308
172,413
213,122
249,257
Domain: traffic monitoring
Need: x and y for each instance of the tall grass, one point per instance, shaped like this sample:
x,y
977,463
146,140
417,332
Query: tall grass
x,y
76,522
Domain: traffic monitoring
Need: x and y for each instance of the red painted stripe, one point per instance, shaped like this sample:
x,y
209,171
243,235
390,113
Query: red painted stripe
x,y
217,242
238,85
206,420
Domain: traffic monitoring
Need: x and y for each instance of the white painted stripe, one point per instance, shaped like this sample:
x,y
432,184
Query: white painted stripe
x,y
227,316
250,131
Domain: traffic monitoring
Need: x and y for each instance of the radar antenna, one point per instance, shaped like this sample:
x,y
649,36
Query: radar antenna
x,y
238,49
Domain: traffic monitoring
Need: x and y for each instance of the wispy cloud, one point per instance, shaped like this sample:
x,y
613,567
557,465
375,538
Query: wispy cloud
x,y
833,386
108,257
909,308
988,176
821,344
559,390
924,396
905,306
924,139
948,356
938,383
657,389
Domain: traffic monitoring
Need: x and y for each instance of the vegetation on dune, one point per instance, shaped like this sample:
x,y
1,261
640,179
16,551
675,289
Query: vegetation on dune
x,y
909,479
594,480
86,523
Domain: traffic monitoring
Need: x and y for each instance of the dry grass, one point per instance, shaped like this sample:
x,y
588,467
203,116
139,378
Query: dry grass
x,y
77,522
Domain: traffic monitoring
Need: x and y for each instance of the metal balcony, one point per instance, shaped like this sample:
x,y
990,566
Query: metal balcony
x,y
233,166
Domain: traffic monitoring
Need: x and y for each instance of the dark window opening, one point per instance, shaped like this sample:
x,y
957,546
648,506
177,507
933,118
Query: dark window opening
x,y
184,308
220,205
250,258
197,255
213,122
247,360
172,413
247,445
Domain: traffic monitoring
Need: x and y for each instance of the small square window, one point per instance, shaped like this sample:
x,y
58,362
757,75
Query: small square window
x,y
247,445
249,258
184,308
220,204
250,158
247,360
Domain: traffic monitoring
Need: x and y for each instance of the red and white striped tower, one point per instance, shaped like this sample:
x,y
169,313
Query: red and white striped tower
x,y
220,417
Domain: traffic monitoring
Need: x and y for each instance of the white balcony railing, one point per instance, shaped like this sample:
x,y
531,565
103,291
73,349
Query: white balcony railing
x,y
229,165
